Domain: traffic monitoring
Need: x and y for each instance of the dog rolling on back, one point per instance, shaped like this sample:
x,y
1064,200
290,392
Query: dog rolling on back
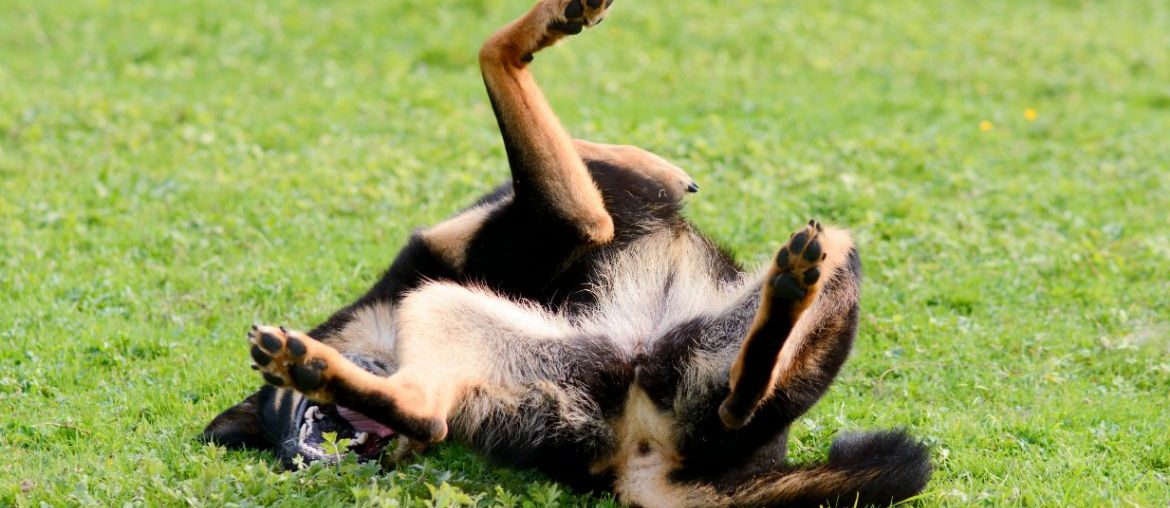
x,y
572,321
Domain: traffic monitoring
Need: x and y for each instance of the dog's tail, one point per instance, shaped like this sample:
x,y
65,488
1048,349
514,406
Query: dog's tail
x,y
864,469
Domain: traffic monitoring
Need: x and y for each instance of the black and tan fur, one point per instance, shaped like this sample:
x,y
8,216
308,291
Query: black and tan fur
x,y
574,322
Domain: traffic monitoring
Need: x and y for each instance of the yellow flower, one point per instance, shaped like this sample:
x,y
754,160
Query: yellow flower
x,y
1030,114
985,126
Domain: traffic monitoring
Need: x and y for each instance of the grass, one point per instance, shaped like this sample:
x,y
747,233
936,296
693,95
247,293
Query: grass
x,y
171,172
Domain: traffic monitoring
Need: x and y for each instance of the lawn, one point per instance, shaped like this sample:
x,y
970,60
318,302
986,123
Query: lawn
x,y
171,172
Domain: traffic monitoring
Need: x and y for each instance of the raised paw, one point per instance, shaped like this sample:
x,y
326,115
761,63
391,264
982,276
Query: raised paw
x,y
548,22
797,267
576,14
290,359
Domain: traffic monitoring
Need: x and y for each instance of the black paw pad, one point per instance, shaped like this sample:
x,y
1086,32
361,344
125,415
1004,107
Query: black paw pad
x,y
569,28
798,241
273,379
296,347
813,252
811,276
270,342
307,377
787,287
260,357
593,4
575,9
782,258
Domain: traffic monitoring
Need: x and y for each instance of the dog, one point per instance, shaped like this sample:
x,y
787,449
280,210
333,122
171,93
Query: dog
x,y
573,321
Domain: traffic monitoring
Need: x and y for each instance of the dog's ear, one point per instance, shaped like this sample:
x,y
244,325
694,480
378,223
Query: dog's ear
x,y
239,426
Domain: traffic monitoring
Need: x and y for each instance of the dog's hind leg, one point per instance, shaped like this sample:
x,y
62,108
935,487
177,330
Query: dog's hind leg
x,y
548,173
451,340
293,360
803,329
673,180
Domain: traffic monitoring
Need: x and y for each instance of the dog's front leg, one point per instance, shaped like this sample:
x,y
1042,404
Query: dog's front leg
x,y
548,173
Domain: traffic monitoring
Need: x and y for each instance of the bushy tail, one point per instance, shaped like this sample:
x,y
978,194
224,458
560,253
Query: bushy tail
x,y
864,469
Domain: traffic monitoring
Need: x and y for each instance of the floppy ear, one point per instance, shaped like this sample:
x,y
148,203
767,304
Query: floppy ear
x,y
239,426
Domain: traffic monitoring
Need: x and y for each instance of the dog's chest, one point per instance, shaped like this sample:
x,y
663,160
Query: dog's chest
x,y
650,288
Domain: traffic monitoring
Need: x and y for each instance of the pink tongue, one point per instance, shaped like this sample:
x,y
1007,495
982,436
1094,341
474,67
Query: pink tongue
x,y
363,423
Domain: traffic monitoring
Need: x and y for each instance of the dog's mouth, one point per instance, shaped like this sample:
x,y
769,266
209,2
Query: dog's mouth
x,y
329,432
305,431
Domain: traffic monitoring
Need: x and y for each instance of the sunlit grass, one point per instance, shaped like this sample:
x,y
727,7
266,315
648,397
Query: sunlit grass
x,y
171,172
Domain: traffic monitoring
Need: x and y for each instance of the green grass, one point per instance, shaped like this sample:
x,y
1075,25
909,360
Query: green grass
x,y
171,172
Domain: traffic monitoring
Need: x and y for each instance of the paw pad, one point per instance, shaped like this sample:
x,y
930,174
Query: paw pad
x,y
579,14
284,358
576,9
798,262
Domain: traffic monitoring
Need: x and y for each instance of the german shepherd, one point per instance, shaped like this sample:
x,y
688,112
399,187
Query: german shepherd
x,y
572,321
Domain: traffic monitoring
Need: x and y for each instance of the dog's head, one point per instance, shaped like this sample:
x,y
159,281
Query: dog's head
x,y
298,430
